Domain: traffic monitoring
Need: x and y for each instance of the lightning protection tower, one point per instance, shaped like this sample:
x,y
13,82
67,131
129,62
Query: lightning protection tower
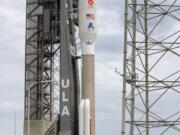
x,y
151,78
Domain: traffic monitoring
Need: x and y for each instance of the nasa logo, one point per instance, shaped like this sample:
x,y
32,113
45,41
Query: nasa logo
x,y
91,2
91,26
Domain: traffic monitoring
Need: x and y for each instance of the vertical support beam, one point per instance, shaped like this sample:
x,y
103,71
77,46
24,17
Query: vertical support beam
x,y
146,65
123,126
133,69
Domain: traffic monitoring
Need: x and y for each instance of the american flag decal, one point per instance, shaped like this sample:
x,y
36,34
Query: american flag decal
x,y
90,16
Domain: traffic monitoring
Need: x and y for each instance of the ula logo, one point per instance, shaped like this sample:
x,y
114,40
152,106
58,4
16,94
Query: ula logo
x,y
65,84
90,2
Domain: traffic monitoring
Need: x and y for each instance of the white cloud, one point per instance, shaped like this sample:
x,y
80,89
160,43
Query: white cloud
x,y
108,23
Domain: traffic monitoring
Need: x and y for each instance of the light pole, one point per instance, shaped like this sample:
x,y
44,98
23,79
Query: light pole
x,y
29,97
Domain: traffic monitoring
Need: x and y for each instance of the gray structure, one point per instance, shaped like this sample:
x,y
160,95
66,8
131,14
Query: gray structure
x,y
151,68
51,68
69,100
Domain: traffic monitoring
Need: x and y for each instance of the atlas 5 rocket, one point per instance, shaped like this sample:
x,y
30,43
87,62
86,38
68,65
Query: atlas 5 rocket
x,y
88,33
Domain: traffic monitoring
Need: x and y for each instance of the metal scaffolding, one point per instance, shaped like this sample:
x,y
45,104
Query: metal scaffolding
x,y
42,47
151,78
51,58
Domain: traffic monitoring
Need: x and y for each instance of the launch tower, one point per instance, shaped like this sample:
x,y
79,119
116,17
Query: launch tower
x,y
151,85
55,30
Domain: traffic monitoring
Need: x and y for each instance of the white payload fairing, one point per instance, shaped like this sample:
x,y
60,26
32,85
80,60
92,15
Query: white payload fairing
x,y
88,33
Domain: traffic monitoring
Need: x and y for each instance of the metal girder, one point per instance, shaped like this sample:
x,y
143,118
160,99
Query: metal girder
x,y
51,64
42,48
151,68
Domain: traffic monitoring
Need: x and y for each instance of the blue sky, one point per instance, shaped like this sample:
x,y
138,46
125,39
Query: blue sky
x,y
108,56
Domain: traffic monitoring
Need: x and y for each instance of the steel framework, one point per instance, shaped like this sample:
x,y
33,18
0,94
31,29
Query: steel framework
x,y
41,54
151,78
51,67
